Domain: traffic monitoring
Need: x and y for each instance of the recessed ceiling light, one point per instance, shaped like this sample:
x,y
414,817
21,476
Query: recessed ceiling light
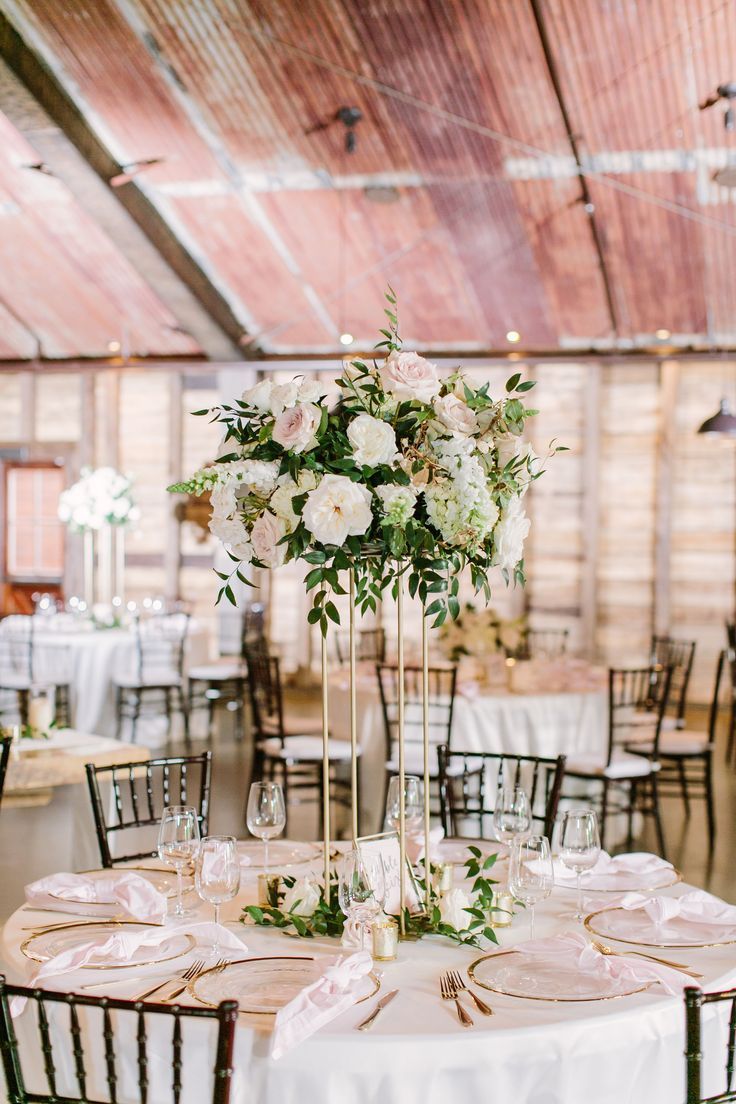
x,y
513,336
346,339
662,335
113,346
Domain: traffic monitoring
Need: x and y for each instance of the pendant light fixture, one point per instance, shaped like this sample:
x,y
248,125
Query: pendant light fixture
x,y
720,424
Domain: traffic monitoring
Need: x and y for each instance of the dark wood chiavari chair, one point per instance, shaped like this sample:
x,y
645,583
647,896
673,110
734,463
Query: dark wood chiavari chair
x,y
543,644
286,749
156,686
86,1049
20,670
628,772
5,745
370,646
694,1001
139,794
470,780
666,651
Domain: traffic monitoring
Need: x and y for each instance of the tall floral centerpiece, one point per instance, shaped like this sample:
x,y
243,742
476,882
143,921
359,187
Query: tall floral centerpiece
x,y
100,506
408,479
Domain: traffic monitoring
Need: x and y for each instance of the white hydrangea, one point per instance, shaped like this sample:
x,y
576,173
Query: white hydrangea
x,y
510,535
460,507
256,477
397,502
286,490
234,535
99,497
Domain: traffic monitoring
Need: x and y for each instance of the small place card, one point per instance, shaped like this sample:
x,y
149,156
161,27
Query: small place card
x,y
386,846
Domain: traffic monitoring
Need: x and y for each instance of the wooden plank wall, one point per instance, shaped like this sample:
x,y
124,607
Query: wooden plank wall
x,y
633,528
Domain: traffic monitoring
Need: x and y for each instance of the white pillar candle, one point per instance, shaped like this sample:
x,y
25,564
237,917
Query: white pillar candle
x,y
40,712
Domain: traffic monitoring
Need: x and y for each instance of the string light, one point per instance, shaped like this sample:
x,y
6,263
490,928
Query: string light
x,y
513,336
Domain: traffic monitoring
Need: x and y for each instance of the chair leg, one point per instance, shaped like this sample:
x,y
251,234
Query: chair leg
x,y
604,811
632,807
168,693
136,713
654,791
683,786
210,717
731,729
23,698
184,716
118,713
709,802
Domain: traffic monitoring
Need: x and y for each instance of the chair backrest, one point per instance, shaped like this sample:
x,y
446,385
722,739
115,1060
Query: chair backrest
x,y
441,697
5,745
79,1043
266,696
665,651
470,781
724,663
160,642
694,1001
253,628
544,644
16,646
637,700
370,646
140,793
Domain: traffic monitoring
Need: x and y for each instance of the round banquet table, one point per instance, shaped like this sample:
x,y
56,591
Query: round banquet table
x,y
625,1050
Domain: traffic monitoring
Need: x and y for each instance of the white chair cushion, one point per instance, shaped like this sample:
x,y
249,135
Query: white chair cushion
x,y
12,681
306,748
622,765
641,717
414,762
162,678
683,741
216,672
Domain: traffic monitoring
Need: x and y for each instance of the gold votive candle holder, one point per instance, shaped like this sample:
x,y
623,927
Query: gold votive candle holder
x,y
443,877
384,939
502,912
268,889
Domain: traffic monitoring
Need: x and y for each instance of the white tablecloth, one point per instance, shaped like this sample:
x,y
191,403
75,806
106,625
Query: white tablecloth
x,y
623,1051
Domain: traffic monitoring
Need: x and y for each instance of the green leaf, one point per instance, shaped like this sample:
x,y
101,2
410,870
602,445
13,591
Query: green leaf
x,y
527,386
512,382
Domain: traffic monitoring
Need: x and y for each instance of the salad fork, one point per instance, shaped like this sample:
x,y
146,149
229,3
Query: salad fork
x,y
448,993
457,983
683,969
191,972
203,969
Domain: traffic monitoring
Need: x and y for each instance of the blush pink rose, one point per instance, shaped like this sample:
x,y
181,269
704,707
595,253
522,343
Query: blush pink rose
x,y
295,429
265,536
409,376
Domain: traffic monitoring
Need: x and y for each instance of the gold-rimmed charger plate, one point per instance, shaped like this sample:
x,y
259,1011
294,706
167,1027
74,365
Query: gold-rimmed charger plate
x,y
46,944
674,877
162,880
531,978
641,926
282,854
263,985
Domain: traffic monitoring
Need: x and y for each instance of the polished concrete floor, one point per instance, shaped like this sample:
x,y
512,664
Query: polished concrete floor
x,y
29,853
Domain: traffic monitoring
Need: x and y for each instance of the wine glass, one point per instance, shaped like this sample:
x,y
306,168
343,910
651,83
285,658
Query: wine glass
x,y
413,815
217,874
531,876
266,814
361,893
512,814
178,838
579,846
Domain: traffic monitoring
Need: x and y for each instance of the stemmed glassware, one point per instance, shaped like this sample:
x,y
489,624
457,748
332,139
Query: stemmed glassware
x,y
512,814
413,812
266,814
579,846
531,876
361,892
217,874
178,839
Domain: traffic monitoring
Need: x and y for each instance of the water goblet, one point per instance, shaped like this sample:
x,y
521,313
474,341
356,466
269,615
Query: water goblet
x,y
217,875
413,813
361,893
512,815
531,876
579,847
178,839
266,814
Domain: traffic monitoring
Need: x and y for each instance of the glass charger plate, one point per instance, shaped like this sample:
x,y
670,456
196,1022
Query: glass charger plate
x,y
519,975
625,882
281,853
162,880
262,986
53,941
634,926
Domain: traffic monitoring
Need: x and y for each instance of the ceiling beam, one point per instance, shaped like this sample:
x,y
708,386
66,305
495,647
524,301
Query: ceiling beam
x,y
49,92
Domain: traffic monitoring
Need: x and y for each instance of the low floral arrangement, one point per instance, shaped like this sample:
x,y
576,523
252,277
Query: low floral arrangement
x,y
481,633
408,473
303,908
100,497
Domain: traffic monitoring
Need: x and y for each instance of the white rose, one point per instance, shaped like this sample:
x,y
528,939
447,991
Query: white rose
x,y
373,441
452,909
223,499
508,448
311,390
265,535
302,899
284,396
259,396
409,376
233,535
295,429
456,415
337,509
510,534
287,489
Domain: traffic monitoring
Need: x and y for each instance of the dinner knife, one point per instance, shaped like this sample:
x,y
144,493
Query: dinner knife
x,y
379,1008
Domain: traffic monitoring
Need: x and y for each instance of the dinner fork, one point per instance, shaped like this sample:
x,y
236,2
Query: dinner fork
x,y
604,950
448,993
457,983
191,972
203,969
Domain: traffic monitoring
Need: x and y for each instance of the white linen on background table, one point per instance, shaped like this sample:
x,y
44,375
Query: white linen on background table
x,y
623,1051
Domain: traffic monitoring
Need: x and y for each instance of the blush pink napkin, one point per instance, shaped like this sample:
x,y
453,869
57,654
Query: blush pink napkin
x,y
415,844
639,863
133,895
319,1003
573,951
696,907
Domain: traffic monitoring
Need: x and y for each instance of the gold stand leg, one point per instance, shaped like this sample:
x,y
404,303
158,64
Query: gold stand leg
x,y
325,769
400,734
354,795
425,734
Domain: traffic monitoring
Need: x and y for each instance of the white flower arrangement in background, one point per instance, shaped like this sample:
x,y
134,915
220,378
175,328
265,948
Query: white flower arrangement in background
x,y
100,497
411,473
